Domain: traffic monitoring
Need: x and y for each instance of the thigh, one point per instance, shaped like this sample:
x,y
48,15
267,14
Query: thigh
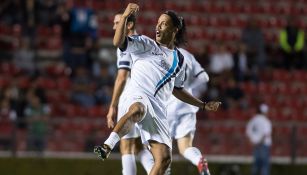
x,y
127,146
159,151
184,142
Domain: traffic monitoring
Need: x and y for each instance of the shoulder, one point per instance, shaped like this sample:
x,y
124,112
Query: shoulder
x,y
188,57
140,38
185,52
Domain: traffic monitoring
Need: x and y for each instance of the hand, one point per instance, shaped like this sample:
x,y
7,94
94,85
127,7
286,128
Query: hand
x,y
110,116
131,8
212,105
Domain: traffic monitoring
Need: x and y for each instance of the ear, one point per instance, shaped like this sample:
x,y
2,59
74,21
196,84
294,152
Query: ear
x,y
130,25
176,30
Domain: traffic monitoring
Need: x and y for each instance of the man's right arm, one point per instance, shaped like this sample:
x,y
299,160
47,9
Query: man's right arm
x,y
120,32
119,85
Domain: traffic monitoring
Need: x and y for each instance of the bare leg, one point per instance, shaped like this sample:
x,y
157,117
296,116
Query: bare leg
x,y
184,143
135,114
162,156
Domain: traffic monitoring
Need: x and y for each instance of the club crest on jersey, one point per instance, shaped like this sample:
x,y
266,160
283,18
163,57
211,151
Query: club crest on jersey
x,y
165,65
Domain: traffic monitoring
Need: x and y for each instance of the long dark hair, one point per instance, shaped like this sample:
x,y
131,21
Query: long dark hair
x,y
180,24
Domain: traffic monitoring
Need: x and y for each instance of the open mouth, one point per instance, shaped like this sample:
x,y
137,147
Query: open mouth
x,y
157,33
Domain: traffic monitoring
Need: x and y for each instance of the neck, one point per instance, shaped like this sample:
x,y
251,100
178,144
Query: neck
x,y
169,45
131,32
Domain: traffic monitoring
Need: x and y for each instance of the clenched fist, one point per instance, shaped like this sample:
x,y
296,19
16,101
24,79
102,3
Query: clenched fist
x,y
131,8
212,105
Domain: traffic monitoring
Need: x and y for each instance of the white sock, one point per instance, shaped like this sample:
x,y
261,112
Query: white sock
x,y
112,140
192,154
146,159
128,164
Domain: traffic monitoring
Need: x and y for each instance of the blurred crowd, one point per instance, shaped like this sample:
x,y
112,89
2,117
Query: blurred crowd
x,y
73,31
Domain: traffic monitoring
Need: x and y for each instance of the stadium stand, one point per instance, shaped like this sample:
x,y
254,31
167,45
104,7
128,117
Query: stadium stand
x,y
73,127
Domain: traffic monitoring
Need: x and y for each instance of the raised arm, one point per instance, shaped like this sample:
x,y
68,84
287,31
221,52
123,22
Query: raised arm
x,y
120,32
186,97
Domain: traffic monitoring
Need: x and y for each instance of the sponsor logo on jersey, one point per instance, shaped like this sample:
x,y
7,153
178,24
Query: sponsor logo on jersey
x,y
165,65
158,54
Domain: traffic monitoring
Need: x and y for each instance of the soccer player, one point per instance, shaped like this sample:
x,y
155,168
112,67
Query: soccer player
x,y
182,116
130,144
157,68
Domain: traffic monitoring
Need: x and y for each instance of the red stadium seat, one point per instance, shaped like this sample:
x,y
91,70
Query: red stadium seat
x,y
281,75
73,111
63,83
4,81
97,111
46,83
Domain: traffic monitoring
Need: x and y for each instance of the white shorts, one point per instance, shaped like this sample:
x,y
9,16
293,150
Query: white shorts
x,y
153,126
182,125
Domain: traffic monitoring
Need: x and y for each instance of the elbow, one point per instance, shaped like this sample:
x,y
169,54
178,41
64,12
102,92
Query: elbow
x,y
176,92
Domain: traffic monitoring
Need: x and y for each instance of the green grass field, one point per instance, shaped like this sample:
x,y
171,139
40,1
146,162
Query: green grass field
x,y
56,166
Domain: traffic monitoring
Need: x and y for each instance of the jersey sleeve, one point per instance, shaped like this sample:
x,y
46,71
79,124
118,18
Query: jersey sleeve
x,y
179,80
197,69
136,44
124,60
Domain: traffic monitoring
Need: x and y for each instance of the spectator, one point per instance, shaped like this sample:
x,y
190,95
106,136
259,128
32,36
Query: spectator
x,y
233,95
221,60
104,85
259,130
82,88
240,68
63,19
24,57
253,38
83,25
46,12
37,115
221,63
292,40
11,11
7,118
30,15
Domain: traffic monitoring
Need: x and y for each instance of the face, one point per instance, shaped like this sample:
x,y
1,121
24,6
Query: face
x,y
165,30
116,21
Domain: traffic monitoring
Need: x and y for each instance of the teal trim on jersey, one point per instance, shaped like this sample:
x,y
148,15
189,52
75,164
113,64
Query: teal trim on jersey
x,y
170,71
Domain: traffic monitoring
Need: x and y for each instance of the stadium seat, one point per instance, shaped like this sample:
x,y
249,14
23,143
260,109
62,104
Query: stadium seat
x,y
4,81
63,83
97,111
281,75
46,83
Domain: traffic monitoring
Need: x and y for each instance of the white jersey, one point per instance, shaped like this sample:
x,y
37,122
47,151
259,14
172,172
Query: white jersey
x,y
259,130
156,70
192,70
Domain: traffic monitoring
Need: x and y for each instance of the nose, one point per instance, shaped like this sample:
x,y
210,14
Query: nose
x,y
158,26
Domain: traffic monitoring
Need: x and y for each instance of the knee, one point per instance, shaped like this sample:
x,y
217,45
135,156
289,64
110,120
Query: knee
x,y
164,162
138,111
126,146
